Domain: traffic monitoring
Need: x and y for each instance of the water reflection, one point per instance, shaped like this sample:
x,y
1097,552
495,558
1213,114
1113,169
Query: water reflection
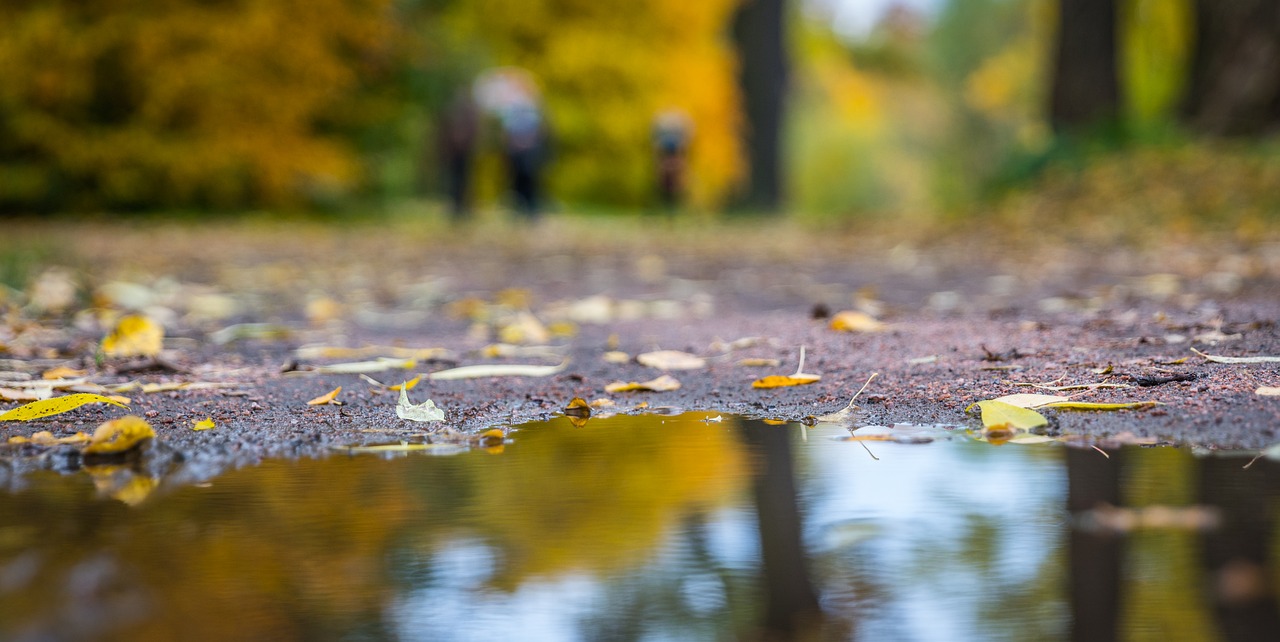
x,y
658,528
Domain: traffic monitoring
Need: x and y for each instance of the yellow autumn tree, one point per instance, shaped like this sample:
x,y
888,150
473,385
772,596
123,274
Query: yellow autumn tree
x,y
117,103
606,69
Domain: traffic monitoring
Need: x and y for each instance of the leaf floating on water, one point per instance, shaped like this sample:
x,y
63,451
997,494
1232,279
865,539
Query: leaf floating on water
x,y
423,412
1027,400
328,398
56,406
1267,391
204,424
855,321
665,383
496,370
134,336
492,437
1221,359
1000,415
671,360
1085,405
119,435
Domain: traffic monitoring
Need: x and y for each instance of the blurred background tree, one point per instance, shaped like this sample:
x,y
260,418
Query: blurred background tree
x,y
912,111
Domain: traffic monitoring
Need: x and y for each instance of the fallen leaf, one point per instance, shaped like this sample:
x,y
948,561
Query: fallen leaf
x,y
330,397
256,331
425,411
614,356
510,351
55,406
408,385
46,438
119,435
998,414
850,408
759,363
311,353
1084,405
1027,400
713,420
134,336
602,403
919,361
496,370
152,388
665,383
357,367
671,360
578,407
855,321
33,394
61,372
524,329
1220,359
492,437
798,378
204,424
1267,391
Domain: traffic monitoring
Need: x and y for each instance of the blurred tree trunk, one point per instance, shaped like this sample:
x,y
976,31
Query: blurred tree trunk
x,y
1095,558
1234,88
1086,87
759,33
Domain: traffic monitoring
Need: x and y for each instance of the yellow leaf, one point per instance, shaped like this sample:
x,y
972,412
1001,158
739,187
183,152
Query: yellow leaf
x,y
119,435
998,415
61,372
492,437
671,360
408,385
1267,391
55,406
664,383
1082,405
782,381
578,407
134,336
759,363
204,424
46,438
854,321
328,398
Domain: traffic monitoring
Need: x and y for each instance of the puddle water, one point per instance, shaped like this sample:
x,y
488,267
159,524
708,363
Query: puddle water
x,y
658,528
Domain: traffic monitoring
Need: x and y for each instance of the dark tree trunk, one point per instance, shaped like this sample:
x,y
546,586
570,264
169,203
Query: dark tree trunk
x,y
759,31
1086,88
1234,87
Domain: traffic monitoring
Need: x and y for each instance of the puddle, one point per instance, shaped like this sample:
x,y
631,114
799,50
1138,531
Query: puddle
x,y
657,528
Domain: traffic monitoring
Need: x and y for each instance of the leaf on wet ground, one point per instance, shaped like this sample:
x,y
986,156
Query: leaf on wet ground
x,y
204,424
46,438
665,383
671,360
1028,400
311,353
119,435
407,385
1267,391
1089,405
511,351
615,356
254,331
55,406
423,412
759,363
855,321
847,413
1001,415
496,370
1221,359
329,398
361,367
171,386
134,336
60,373
798,378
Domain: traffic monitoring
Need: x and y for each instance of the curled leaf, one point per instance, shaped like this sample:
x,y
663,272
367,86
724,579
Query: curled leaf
x,y
425,411
119,435
330,397
408,385
665,383
134,336
55,406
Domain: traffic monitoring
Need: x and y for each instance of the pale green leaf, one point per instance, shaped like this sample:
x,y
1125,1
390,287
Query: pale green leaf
x,y
998,414
496,370
425,411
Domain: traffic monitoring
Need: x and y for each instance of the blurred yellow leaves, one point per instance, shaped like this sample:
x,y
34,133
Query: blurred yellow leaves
x,y
134,336
204,424
46,438
783,381
56,405
119,435
855,321
671,360
665,383
329,398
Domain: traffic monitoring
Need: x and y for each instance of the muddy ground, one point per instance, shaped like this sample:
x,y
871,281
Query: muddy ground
x,y
964,318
